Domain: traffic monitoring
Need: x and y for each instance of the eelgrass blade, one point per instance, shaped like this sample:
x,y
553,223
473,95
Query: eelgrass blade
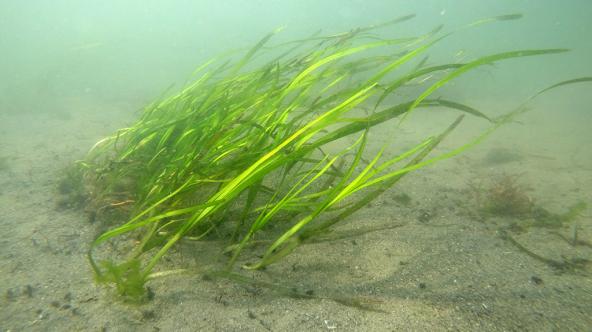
x,y
477,63
274,252
420,151
563,83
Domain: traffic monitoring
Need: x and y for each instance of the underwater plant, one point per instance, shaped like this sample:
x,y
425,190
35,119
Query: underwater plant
x,y
70,187
269,146
506,197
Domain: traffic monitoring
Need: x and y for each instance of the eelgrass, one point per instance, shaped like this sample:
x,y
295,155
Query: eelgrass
x,y
244,148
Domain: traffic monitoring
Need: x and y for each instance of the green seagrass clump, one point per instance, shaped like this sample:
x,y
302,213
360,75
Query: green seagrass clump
x,y
269,147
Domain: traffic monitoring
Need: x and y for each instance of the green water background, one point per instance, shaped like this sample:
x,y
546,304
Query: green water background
x,y
133,50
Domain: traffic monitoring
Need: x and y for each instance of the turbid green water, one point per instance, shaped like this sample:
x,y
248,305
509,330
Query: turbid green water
x,y
497,238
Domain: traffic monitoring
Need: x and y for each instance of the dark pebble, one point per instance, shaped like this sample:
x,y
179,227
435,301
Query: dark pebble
x,y
148,314
29,290
536,280
424,216
149,294
251,314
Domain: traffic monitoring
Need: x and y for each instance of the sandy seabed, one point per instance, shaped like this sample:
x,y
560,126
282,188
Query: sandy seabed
x,y
443,267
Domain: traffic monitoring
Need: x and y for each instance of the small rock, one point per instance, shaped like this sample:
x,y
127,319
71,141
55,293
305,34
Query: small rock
x,y
536,280
251,314
29,290
148,314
